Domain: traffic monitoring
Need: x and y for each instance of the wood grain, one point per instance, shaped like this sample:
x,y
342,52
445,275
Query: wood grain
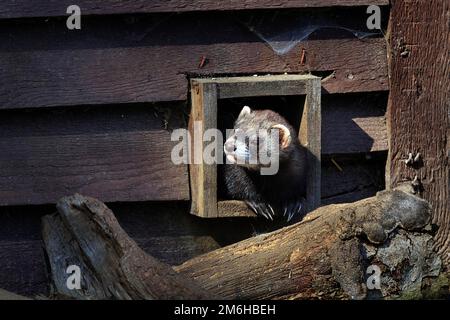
x,y
323,257
419,102
352,178
110,61
203,176
86,233
23,267
259,86
310,137
165,230
42,8
117,155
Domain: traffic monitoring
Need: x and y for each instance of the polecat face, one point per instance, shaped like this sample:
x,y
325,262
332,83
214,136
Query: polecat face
x,y
261,138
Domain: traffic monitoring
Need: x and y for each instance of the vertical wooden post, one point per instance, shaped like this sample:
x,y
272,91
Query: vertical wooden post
x,y
202,176
419,102
310,137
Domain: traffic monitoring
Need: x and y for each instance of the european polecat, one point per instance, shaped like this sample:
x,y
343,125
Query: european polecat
x,y
268,195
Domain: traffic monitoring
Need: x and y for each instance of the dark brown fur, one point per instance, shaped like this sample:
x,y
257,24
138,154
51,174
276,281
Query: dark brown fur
x,y
269,195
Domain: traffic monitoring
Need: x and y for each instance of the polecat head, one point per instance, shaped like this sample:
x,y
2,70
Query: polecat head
x,y
259,138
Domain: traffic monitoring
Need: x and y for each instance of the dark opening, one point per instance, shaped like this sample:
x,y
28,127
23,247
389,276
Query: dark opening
x,y
290,107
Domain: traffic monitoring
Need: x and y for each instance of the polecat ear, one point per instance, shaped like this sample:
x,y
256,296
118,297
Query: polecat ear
x,y
245,110
284,135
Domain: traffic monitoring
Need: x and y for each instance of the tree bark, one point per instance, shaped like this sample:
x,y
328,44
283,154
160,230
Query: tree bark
x,y
327,254
418,117
324,256
86,234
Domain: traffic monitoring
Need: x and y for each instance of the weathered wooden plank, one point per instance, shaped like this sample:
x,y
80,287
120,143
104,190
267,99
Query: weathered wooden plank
x,y
47,8
419,103
311,138
351,179
22,259
141,63
203,175
234,208
22,265
354,123
122,154
258,86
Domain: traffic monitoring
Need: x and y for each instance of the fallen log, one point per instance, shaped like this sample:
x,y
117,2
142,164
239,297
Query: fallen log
x,y
86,234
327,255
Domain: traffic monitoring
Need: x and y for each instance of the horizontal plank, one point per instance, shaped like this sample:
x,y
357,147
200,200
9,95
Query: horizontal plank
x,y
139,64
354,124
234,208
114,155
23,267
352,179
272,85
48,8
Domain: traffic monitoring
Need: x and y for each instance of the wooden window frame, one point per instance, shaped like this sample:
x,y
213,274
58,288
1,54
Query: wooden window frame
x,y
205,94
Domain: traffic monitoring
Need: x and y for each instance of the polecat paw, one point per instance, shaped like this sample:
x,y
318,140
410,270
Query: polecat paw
x,y
262,209
292,208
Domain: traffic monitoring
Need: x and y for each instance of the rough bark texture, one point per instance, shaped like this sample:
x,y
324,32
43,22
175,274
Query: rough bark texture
x,y
86,233
418,112
327,254
324,256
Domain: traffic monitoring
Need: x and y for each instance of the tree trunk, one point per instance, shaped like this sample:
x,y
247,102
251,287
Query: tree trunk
x,y
418,109
324,256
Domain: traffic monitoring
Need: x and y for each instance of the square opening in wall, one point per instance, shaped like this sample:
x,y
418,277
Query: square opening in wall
x,y
300,107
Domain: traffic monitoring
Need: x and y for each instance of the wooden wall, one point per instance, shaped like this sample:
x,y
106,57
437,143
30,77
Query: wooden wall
x,y
91,111
74,105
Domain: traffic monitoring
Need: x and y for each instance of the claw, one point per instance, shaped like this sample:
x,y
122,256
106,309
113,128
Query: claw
x,y
299,207
264,212
252,206
291,214
294,208
273,213
262,209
